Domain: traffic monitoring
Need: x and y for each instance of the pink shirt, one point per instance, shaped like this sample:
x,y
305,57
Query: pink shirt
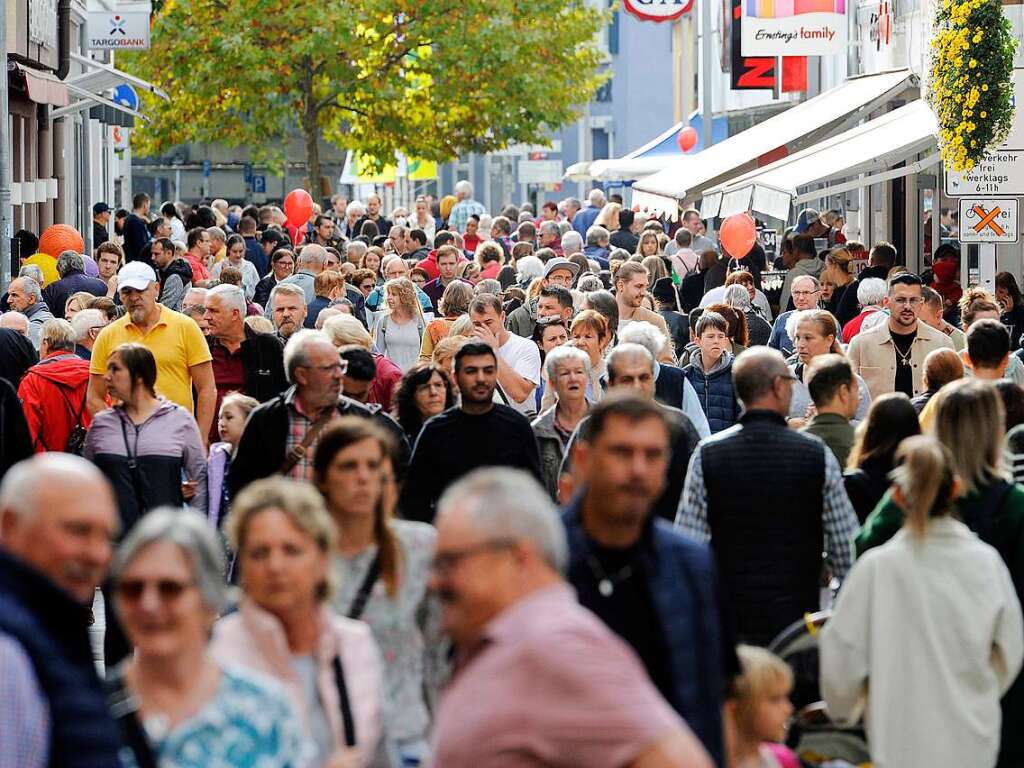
x,y
550,685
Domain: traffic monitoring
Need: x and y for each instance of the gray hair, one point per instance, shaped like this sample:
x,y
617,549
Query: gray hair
x,y
86,320
490,285
629,351
16,321
70,261
589,282
193,535
596,234
814,281
296,351
355,208
231,295
58,335
596,198
505,503
572,242
737,297
326,314
464,187
313,254
647,335
549,228
216,233
291,288
565,354
528,267
31,287
357,248
33,271
573,201
342,330
871,292
200,291
22,481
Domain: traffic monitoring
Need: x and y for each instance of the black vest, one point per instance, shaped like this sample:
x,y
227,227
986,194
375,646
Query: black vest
x,y
53,630
764,489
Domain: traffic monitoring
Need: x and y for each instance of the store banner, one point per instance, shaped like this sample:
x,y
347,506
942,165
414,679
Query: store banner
x,y
755,73
117,26
793,27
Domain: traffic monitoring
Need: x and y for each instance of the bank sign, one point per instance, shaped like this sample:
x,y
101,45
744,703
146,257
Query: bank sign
x,y
793,27
658,10
121,27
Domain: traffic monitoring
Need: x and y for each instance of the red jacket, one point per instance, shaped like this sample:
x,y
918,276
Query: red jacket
x,y
385,383
429,265
53,396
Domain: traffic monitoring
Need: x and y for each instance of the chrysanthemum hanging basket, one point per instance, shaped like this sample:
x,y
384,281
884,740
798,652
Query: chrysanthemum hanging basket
x,y
971,83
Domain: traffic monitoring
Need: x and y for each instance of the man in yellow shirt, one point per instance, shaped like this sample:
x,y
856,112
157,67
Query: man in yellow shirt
x,y
182,355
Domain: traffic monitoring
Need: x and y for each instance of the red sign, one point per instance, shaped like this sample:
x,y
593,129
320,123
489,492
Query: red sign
x,y
753,73
658,10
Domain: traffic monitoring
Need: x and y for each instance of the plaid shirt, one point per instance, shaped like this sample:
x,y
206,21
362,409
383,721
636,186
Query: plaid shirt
x,y
839,521
298,425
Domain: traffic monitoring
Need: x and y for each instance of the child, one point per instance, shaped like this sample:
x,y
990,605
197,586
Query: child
x,y
757,712
710,371
234,410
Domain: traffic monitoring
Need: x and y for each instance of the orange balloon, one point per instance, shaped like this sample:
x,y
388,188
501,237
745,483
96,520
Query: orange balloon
x,y
738,235
687,138
59,238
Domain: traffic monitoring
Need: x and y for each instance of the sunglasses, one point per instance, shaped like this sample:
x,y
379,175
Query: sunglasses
x,y
167,590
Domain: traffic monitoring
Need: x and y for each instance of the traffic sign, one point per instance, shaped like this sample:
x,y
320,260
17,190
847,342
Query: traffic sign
x,y
988,220
259,184
1000,173
540,171
247,172
126,96
206,169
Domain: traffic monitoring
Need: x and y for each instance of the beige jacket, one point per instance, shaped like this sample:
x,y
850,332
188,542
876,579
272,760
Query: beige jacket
x,y
873,355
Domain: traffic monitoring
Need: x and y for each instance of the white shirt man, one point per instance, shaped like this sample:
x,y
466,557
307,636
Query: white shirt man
x,y
518,358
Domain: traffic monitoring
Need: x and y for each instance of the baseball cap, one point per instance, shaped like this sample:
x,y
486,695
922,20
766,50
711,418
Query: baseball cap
x,y
560,262
100,208
807,217
137,275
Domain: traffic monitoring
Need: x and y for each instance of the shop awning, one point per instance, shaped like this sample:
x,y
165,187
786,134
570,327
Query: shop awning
x,y
871,151
97,80
797,127
43,87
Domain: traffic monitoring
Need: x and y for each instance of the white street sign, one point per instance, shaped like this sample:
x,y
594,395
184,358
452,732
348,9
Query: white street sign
x,y
1001,173
540,171
988,220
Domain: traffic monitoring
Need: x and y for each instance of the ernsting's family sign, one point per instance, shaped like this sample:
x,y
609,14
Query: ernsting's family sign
x,y
793,27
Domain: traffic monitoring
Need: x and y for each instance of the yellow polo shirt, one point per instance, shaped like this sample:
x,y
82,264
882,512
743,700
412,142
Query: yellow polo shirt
x,y
175,341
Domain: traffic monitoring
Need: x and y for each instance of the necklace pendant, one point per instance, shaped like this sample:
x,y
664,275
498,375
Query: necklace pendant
x,y
604,586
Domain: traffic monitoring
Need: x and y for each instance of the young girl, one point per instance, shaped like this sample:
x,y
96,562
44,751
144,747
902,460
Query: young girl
x,y
234,410
758,711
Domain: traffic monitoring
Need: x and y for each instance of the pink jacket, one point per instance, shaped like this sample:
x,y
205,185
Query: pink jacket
x,y
255,640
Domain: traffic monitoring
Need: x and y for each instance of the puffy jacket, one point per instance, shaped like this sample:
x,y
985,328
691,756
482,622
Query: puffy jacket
x,y
714,388
175,279
53,396
144,462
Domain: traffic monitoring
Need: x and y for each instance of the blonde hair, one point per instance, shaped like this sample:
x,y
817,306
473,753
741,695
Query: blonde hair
x,y
924,476
462,326
244,403
446,348
492,248
534,290
970,422
260,324
608,217
403,288
826,323
644,237
300,502
762,673
656,269
344,329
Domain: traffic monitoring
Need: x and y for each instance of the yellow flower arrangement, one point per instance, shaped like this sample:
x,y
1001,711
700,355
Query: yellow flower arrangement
x,y
971,79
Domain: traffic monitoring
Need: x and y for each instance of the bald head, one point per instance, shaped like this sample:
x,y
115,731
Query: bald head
x,y
15,321
312,258
762,380
57,515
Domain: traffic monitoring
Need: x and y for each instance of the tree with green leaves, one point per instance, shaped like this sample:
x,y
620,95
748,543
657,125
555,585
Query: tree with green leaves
x,y
429,78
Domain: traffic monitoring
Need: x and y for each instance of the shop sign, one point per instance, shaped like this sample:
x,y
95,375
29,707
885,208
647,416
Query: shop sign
x,y
658,10
125,27
793,27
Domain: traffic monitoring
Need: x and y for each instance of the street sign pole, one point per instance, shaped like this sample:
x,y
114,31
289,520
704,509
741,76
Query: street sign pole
x,y
6,214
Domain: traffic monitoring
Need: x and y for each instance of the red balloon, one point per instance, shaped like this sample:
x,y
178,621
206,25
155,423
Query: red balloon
x,y
738,235
687,138
298,207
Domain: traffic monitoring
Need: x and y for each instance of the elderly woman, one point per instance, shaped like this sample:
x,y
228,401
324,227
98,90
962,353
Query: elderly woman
x,y
175,704
591,333
285,629
425,391
814,332
383,565
871,293
568,371
343,330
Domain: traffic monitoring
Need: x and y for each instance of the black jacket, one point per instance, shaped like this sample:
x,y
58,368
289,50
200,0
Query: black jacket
x,y
679,326
262,450
866,485
15,438
263,360
56,294
136,235
17,355
263,289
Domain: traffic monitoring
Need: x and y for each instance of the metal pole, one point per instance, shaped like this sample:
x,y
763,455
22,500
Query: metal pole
x,y
706,70
6,214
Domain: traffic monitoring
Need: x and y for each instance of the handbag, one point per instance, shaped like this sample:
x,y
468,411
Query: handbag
x,y
295,454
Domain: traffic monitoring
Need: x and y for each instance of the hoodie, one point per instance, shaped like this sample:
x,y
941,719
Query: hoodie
x,y
175,280
715,390
53,397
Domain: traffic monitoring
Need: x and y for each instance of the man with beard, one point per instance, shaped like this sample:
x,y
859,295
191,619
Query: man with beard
x,y
479,433
890,358
287,309
630,289
183,360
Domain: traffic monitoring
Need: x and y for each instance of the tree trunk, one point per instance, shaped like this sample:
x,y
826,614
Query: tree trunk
x,y
311,131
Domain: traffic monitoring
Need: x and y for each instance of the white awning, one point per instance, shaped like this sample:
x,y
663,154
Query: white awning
x,y
874,148
97,80
795,128
617,169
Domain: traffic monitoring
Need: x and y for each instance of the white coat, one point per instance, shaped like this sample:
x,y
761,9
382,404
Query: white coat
x,y
927,635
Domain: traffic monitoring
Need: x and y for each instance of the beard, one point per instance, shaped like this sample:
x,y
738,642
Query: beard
x,y
138,315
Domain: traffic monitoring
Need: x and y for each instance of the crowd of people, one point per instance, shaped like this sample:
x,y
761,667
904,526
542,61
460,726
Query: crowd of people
x,y
535,488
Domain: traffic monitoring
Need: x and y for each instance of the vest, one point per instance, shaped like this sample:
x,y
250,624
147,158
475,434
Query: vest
x,y
53,630
670,386
717,396
764,490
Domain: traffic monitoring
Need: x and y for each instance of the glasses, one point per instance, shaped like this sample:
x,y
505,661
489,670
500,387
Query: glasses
x,y
445,562
167,590
340,366
805,293
907,301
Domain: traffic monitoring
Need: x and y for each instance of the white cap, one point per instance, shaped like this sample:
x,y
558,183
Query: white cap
x,y
137,275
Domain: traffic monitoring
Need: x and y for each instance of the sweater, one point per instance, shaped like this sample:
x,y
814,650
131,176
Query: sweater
x,y
454,443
